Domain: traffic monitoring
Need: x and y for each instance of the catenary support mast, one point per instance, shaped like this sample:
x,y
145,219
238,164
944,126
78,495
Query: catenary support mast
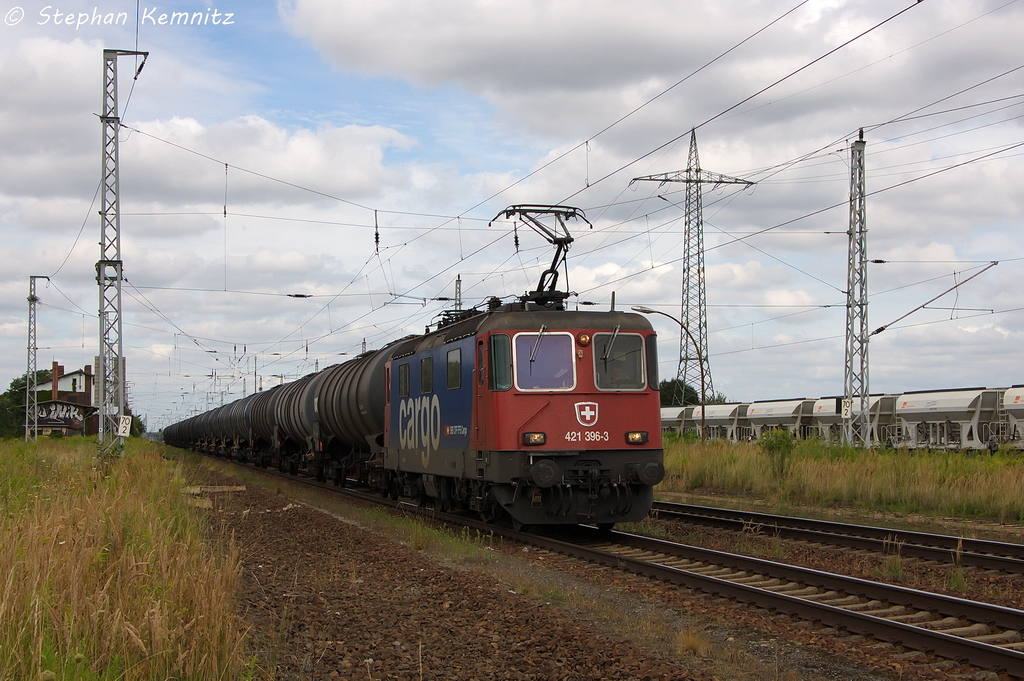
x,y
31,382
110,365
856,403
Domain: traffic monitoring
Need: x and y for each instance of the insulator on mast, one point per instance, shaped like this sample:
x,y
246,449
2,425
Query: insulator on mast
x,y
376,234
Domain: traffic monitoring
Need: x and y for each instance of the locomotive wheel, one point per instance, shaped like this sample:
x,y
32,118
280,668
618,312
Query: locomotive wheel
x,y
519,526
605,527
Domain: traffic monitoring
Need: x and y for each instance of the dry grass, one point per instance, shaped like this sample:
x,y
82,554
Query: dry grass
x,y
110,575
693,640
958,484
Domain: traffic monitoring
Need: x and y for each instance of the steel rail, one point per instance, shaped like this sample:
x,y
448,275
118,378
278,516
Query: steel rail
x,y
980,553
974,652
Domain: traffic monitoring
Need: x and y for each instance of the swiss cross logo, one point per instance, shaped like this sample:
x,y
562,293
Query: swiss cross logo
x,y
586,413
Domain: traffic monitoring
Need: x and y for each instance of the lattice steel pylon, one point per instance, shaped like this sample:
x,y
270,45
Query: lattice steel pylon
x,y
110,367
31,381
857,396
693,354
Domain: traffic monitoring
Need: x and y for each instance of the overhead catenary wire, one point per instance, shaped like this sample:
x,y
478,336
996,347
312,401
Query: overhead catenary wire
x,y
286,294
592,137
932,300
748,98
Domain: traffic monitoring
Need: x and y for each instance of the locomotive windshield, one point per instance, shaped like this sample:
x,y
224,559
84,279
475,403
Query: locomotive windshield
x,y
544,361
619,361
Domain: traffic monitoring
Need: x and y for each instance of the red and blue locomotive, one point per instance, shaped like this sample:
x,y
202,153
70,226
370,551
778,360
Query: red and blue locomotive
x,y
524,410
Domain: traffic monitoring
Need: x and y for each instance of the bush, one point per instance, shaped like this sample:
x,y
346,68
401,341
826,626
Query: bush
x,y
778,445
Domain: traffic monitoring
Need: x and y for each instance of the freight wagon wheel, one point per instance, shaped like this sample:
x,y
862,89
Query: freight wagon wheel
x,y
605,527
520,526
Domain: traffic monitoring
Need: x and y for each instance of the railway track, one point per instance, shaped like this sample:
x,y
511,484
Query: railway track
x,y
964,551
980,634
983,635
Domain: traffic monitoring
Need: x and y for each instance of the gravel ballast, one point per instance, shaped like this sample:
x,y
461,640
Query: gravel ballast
x,y
327,599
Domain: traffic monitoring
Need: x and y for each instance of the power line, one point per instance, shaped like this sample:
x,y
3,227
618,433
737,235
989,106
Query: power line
x,y
748,98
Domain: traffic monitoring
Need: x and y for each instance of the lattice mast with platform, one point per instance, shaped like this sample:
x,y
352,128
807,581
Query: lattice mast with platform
x,y
110,365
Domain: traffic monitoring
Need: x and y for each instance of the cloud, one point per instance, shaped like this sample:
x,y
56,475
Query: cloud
x,y
183,157
424,119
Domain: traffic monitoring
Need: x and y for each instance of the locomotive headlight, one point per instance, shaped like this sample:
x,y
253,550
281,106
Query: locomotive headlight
x,y
583,339
534,439
636,437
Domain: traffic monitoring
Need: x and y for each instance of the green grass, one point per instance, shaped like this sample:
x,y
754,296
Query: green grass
x,y
958,484
107,572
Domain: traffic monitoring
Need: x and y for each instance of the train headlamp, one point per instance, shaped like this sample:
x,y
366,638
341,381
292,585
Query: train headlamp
x,y
583,339
636,437
534,439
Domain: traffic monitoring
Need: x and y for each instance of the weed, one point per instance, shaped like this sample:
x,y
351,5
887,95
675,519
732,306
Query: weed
x,y
778,444
892,567
956,578
892,563
693,640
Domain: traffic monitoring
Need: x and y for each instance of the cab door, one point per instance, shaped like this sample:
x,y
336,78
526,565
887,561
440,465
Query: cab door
x,y
479,423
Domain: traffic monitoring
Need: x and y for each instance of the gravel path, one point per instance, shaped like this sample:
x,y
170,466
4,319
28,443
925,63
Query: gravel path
x,y
326,599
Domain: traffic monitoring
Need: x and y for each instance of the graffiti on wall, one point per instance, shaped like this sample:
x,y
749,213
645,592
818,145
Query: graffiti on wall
x,y
59,414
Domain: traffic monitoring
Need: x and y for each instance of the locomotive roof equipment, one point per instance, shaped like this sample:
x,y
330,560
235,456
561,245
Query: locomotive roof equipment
x,y
558,236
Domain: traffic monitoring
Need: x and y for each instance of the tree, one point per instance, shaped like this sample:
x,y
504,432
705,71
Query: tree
x,y
138,425
670,394
670,391
12,405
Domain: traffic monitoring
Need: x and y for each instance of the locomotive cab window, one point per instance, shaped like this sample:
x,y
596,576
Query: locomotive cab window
x,y
454,369
403,380
501,362
544,361
426,375
619,361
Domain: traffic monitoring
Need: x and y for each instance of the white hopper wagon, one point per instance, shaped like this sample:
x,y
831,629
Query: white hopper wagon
x,y
827,419
1013,405
722,421
672,418
948,419
793,415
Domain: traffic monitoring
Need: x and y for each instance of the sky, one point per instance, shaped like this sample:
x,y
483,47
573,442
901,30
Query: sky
x,y
302,178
